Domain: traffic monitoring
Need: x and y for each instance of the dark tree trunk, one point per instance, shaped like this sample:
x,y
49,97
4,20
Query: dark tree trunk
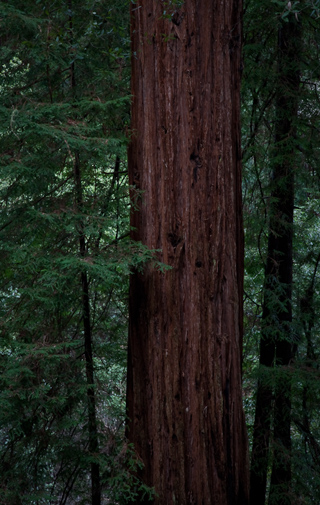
x,y
185,338
91,399
276,349
282,225
262,422
92,421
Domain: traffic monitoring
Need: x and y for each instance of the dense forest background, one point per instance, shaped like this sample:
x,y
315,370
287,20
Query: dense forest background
x,y
66,254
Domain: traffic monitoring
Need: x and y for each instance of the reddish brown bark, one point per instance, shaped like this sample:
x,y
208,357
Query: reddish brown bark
x,y
184,369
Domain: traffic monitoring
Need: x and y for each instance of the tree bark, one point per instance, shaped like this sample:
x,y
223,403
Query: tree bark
x,y
184,395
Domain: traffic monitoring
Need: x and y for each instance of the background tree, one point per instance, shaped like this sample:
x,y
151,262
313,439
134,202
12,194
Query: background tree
x,y
276,346
185,333
277,123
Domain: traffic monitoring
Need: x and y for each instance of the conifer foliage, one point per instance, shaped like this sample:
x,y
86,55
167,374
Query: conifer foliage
x,y
65,255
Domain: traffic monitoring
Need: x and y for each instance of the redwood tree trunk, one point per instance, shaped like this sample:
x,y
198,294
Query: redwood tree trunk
x,y
185,337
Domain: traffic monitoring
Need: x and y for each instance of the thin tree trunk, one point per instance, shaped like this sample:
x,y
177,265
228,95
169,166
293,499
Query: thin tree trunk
x,y
262,422
92,421
185,336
